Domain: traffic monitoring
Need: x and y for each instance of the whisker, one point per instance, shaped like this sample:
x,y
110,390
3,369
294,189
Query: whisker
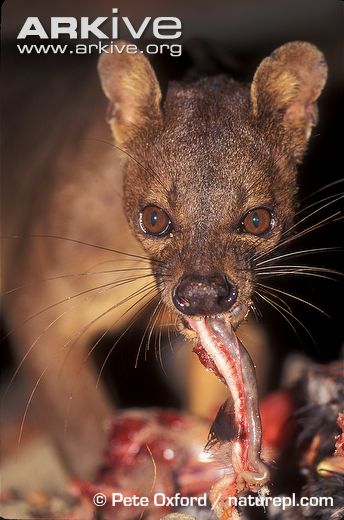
x,y
28,406
268,290
93,321
300,270
149,286
297,320
94,346
279,310
254,310
168,333
296,273
318,225
316,203
144,334
73,275
69,298
302,267
81,242
158,339
297,236
274,289
158,352
153,480
160,357
126,330
32,346
334,183
154,469
313,213
299,253
158,314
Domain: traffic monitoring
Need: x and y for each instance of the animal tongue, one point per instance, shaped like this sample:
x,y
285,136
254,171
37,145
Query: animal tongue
x,y
220,351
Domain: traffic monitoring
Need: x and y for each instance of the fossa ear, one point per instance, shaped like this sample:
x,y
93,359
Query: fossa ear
x,y
285,88
130,84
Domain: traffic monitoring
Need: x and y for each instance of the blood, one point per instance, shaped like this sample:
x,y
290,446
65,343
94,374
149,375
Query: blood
x,y
220,351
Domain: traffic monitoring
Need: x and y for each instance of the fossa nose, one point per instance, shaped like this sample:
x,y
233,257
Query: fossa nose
x,y
204,295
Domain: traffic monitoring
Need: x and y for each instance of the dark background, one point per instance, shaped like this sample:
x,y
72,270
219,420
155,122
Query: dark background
x,y
230,36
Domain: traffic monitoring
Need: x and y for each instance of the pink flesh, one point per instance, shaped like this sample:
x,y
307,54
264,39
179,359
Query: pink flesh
x,y
221,352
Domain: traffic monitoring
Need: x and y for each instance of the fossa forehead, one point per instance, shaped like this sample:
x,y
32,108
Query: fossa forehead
x,y
206,101
211,133
211,158
206,141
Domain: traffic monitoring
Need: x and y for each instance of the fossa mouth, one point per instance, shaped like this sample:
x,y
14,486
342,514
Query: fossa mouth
x,y
186,324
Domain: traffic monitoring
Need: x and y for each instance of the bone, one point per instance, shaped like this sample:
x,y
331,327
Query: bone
x,y
222,353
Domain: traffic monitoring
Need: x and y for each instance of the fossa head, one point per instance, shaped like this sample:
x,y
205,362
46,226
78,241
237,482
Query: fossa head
x,y
210,179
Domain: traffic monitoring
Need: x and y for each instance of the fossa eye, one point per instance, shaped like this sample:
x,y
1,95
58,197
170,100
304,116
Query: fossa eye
x,y
257,221
155,221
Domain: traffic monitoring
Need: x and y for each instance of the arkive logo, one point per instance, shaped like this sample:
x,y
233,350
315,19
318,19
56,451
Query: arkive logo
x,y
163,27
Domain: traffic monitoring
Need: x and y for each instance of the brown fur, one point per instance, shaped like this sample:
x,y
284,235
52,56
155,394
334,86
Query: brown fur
x,y
214,150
